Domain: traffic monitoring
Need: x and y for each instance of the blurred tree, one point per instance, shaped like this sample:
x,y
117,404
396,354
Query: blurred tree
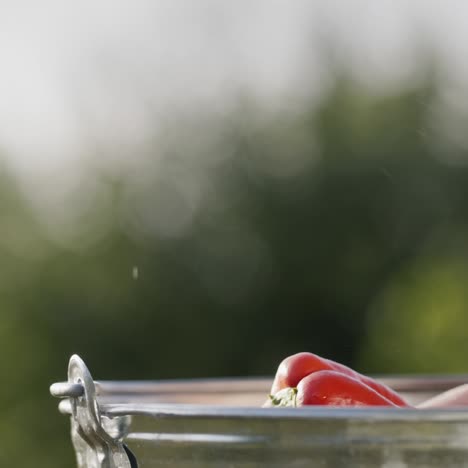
x,y
257,235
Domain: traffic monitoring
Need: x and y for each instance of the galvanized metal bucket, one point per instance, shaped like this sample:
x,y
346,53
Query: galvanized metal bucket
x,y
219,423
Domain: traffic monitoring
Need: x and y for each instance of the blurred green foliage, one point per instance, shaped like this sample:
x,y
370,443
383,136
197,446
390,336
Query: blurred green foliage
x,y
258,234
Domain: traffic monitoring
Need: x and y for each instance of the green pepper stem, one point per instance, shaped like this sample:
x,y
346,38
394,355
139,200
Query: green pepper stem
x,y
285,397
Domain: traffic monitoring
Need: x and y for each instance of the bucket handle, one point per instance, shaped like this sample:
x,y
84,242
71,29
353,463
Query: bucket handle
x,y
94,446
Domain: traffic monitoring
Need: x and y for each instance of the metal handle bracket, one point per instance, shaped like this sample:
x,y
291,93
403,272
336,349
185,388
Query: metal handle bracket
x,y
94,445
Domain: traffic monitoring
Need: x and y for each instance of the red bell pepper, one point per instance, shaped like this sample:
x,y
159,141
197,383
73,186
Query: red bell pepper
x,y
307,379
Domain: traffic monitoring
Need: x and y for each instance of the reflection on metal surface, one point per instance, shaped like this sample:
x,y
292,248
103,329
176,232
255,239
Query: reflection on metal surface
x,y
399,383
219,422
361,414
200,438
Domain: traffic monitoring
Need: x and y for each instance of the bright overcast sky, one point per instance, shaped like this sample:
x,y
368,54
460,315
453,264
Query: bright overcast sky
x,y
76,74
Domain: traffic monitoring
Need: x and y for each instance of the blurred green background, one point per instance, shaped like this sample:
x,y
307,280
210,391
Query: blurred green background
x,y
326,213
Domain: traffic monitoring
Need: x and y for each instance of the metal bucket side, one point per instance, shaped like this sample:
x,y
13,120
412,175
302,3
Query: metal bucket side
x,y
218,423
